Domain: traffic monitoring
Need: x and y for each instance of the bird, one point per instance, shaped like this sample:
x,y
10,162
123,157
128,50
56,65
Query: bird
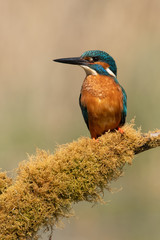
x,y
103,101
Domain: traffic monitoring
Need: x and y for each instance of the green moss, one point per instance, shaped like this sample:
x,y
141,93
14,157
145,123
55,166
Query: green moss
x,y
5,182
47,184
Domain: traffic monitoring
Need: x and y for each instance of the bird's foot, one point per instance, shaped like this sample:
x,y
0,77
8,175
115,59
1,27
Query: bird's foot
x,y
95,139
121,130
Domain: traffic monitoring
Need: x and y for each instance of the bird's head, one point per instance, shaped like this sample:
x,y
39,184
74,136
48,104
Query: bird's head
x,y
93,62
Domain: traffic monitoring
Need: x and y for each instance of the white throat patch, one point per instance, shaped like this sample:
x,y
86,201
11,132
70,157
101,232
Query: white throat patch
x,y
88,70
110,72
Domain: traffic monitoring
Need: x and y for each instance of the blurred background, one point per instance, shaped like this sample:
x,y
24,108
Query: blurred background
x,y
39,98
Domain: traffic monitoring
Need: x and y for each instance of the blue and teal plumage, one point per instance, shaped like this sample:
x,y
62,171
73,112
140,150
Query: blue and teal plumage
x,y
99,69
103,57
124,112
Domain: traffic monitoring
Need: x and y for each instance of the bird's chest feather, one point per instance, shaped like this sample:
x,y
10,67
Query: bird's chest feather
x,y
101,95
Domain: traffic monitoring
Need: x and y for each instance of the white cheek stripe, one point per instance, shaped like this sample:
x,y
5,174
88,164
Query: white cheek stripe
x,y
110,72
88,70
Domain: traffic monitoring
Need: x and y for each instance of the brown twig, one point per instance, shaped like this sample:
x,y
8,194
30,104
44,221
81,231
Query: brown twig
x,y
152,140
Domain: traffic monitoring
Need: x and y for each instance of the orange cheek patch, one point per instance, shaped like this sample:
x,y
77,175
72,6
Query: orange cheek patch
x,y
103,64
88,59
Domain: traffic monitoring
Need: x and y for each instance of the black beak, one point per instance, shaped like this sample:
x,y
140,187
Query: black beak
x,y
75,61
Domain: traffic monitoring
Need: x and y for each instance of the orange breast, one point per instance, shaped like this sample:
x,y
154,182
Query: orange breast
x,y
103,99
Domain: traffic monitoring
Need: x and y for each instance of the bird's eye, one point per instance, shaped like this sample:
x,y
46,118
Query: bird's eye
x,y
91,59
95,59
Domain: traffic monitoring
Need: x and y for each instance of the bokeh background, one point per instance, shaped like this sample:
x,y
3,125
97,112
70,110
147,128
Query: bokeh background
x,y
39,98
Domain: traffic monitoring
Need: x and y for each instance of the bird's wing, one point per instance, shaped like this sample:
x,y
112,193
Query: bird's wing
x,y
124,112
84,112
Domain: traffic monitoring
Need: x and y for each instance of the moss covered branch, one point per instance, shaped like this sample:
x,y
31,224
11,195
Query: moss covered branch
x,y
47,184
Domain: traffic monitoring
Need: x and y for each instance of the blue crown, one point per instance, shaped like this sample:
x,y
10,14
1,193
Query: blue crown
x,y
102,57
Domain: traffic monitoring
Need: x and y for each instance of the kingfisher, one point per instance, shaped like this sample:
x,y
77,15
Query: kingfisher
x,y
103,101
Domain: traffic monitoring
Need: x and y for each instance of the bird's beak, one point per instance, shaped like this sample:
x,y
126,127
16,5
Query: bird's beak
x,y
74,60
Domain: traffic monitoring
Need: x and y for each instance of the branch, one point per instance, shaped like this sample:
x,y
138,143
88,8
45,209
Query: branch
x,y
152,140
47,184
